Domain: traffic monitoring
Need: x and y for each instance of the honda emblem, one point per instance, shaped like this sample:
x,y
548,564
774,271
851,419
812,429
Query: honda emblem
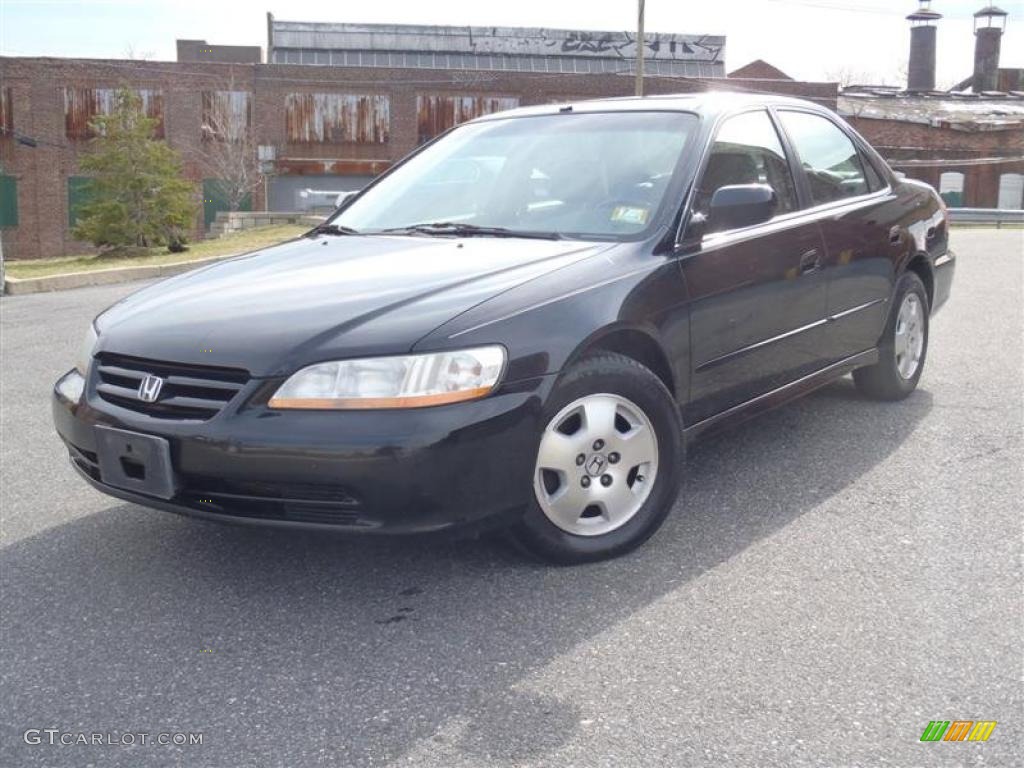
x,y
149,388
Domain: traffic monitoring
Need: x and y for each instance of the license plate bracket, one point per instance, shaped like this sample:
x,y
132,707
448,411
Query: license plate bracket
x,y
135,462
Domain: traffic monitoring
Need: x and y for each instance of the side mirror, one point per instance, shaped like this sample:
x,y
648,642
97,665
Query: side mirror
x,y
741,205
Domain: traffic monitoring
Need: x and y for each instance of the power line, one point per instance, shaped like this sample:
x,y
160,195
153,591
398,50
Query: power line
x,y
866,9
851,8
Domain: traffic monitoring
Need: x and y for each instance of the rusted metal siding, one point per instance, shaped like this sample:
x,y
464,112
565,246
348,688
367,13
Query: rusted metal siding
x,y
436,113
301,166
337,118
6,113
81,105
227,115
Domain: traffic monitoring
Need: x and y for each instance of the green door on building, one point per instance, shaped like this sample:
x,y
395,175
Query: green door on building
x,y
215,200
79,194
8,201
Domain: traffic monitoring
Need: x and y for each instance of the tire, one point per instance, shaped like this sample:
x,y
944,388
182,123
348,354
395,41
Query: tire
x,y
620,419
903,346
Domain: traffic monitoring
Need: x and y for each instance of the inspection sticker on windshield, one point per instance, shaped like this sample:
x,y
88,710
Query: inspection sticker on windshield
x,y
630,214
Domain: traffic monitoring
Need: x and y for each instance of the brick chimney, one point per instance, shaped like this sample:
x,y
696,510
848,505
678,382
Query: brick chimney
x,y
921,71
989,25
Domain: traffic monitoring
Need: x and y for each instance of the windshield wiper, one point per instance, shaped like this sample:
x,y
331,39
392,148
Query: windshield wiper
x,y
331,229
469,230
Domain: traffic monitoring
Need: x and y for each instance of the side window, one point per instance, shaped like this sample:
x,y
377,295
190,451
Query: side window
x,y
747,150
831,160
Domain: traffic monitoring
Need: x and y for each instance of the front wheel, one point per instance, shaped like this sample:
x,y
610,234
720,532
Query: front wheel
x,y
903,346
608,465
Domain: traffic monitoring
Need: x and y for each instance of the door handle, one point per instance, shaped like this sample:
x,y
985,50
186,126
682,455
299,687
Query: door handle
x,y
810,261
895,236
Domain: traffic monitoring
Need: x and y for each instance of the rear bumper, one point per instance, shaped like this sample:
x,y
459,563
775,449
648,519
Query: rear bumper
x,y
944,267
462,466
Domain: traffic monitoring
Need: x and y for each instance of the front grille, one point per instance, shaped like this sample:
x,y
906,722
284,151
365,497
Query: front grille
x,y
297,502
311,493
193,392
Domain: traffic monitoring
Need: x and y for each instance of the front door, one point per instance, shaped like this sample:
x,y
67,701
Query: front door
x,y
757,294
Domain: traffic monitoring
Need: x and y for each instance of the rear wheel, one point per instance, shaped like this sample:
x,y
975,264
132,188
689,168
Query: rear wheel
x,y
608,463
903,346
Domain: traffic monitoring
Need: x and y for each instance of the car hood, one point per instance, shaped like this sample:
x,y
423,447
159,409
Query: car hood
x,y
320,298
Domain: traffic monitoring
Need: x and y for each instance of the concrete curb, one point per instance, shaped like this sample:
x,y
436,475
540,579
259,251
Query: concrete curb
x,y
14,286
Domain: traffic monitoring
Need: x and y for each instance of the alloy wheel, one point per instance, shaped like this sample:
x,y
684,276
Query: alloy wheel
x,y
596,466
909,338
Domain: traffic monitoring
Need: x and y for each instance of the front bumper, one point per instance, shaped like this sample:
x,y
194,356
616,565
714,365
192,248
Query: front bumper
x,y
462,466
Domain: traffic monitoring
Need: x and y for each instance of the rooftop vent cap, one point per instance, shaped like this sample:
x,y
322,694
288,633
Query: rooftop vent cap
x,y
924,15
990,16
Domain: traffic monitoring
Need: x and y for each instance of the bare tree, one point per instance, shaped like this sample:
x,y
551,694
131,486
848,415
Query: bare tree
x,y
903,73
229,148
847,76
134,55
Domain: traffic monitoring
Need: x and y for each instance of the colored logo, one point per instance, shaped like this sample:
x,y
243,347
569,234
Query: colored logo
x,y
958,730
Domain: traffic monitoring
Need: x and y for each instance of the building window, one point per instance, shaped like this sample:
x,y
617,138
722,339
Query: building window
x,y
1011,191
436,113
8,201
6,113
227,115
81,105
951,188
337,118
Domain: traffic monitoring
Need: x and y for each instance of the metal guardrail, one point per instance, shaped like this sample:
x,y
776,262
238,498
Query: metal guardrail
x,y
995,216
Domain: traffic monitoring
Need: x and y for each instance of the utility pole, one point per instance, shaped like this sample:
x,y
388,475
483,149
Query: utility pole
x,y
640,51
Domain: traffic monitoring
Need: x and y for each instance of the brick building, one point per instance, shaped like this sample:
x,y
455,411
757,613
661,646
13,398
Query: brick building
x,y
333,106
969,148
759,69
967,142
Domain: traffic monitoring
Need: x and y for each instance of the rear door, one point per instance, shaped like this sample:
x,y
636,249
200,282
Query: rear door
x,y
757,294
860,220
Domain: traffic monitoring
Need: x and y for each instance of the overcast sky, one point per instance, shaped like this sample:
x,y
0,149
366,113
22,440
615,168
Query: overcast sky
x,y
809,39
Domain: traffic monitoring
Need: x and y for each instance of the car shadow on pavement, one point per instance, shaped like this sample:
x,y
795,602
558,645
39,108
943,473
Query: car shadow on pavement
x,y
284,648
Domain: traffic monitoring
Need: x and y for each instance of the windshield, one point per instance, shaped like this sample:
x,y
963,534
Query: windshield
x,y
599,175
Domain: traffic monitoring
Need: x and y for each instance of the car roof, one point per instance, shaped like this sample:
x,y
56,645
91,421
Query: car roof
x,y
706,103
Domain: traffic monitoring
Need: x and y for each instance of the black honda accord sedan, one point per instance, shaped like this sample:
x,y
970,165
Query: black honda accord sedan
x,y
521,324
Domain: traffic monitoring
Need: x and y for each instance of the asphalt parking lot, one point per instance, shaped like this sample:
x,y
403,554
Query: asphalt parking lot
x,y
836,574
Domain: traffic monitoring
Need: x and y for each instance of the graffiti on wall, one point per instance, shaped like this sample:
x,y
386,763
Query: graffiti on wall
x,y
624,45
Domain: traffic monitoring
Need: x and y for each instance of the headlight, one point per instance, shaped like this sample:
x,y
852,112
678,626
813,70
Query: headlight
x,y
86,350
409,381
